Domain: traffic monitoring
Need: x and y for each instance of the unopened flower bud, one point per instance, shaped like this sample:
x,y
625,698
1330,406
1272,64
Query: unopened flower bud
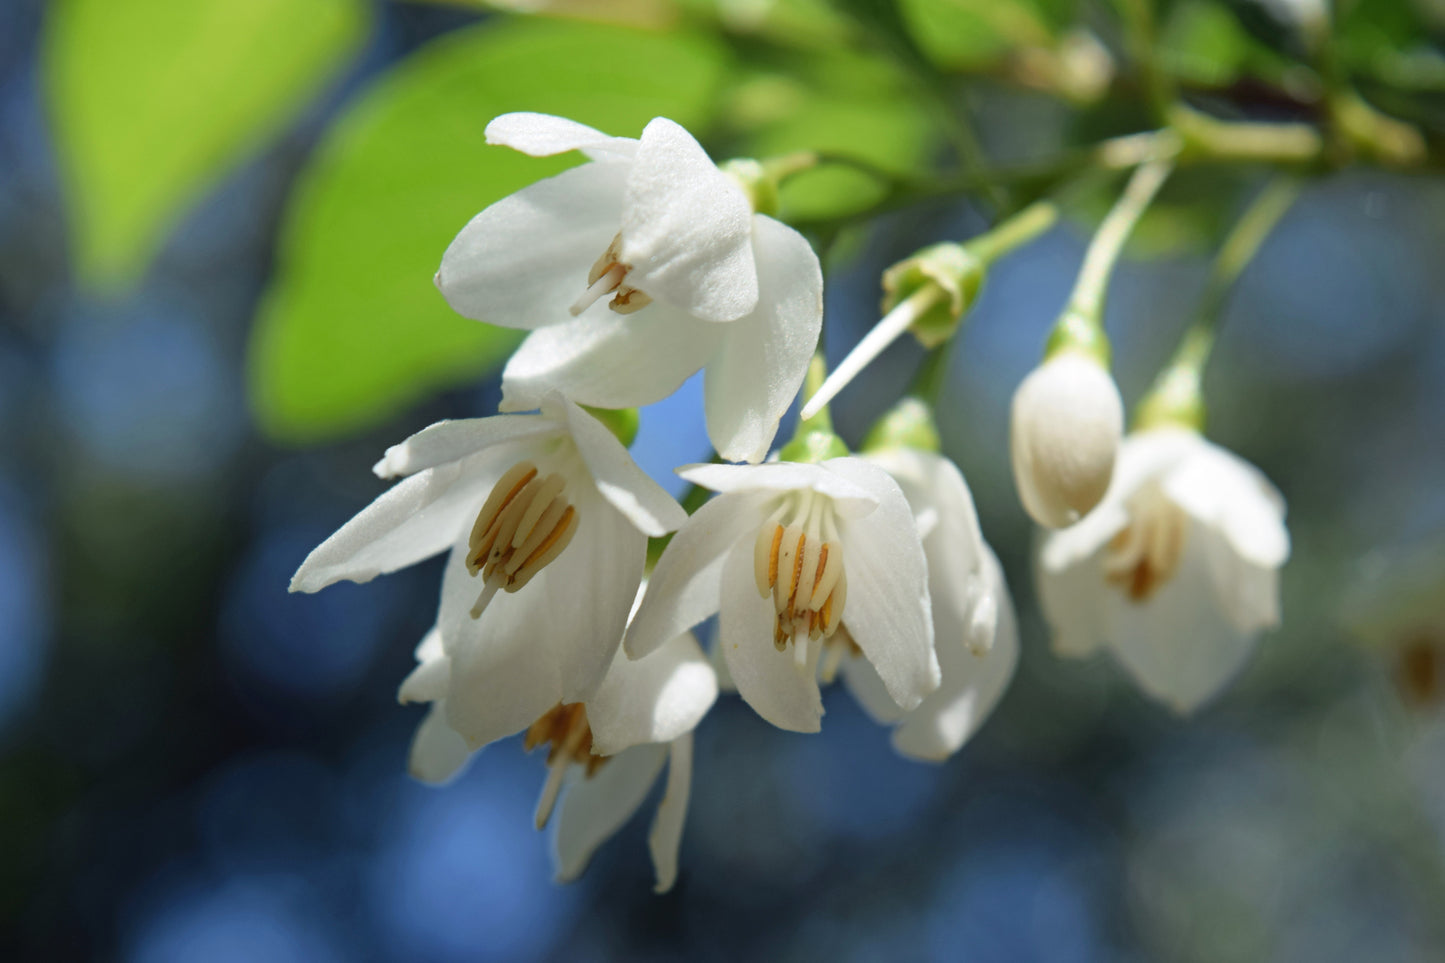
x,y
1066,427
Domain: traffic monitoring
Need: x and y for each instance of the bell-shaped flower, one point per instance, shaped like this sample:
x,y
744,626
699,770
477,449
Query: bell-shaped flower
x,y
547,518
603,755
1176,571
635,270
795,559
974,627
1066,425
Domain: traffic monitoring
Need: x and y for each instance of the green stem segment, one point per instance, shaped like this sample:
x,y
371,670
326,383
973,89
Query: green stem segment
x,y
1176,397
1081,326
815,440
1014,232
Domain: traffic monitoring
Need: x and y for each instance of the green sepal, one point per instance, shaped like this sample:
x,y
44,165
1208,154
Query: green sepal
x,y
811,447
908,424
757,183
1077,331
953,271
622,422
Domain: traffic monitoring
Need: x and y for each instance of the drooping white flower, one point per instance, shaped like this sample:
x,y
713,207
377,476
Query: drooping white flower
x,y
603,755
635,270
974,627
547,518
1176,571
1066,424
789,555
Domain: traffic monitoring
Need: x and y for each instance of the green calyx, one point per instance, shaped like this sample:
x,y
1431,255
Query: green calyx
x,y
908,424
1080,332
954,276
1175,401
814,440
757,182
811,447
622,422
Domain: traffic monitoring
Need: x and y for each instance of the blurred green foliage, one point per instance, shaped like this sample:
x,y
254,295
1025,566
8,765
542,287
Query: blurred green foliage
x,y
352,327
153,101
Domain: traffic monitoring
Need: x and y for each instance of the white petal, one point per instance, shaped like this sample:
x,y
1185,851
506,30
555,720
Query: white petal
x,y
776,477
610,360
522,262
504,666
1063,548
450,441
1248,593
685,585
430,647
935,488
654,699
1179,645
594,808
687,228
865,686
1072,599
665,838
888,609
542,135
972,684
586,594
1220,489
438,754
764,357
412,520
768,680
429,681
628,488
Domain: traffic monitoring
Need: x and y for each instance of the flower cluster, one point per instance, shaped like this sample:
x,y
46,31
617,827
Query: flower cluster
x,y
632,272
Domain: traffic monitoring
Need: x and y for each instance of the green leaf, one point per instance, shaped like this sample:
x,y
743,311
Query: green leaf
x,y
1204,44
839,102
153,101
975,34
352,328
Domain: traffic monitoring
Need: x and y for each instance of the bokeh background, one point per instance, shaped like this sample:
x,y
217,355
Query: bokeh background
x,y
195,765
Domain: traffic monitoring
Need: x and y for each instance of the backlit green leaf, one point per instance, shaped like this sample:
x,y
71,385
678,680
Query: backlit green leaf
x,y
352,327
153,101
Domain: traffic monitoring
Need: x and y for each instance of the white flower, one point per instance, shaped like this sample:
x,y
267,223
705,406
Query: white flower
x,y
634,271
1066,425
787,554
1176,570
604,754
975,631
547,518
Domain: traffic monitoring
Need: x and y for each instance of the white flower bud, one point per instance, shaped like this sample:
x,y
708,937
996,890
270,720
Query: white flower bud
x,y
1068,420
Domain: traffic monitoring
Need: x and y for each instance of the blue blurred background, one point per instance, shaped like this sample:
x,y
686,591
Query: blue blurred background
x,y
195,765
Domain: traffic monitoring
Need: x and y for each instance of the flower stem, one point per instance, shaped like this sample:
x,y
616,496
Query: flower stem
x,y
1176,397
1243,243
1093,283
817,417
929,379
884,333
1081,325
814,440
1014,233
